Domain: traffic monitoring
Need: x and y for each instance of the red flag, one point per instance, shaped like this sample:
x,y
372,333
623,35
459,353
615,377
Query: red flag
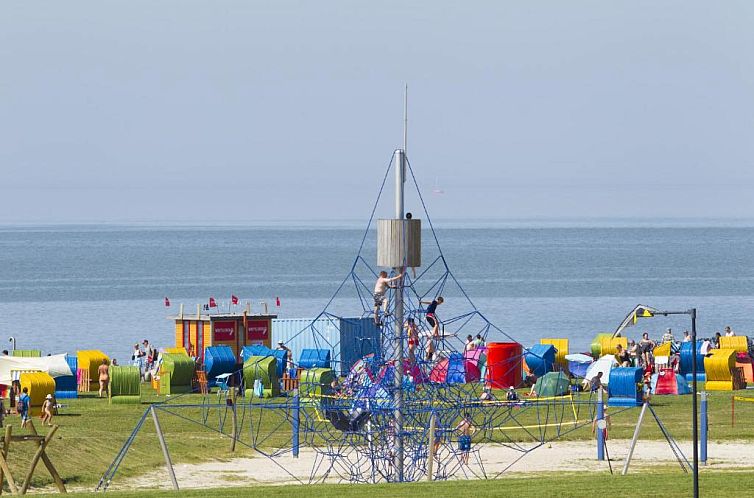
x,y
212,303
167,302
277,302
233,299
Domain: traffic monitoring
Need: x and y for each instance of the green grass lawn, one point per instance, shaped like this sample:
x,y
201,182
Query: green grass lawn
x,y
92,432
666,484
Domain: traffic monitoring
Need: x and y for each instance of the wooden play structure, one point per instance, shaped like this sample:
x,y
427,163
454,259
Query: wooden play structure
x,y
41,454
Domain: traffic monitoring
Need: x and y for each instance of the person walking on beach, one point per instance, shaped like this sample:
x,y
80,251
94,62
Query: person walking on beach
x,y
47,411
380,288
22,407
104,378
430,314
465,427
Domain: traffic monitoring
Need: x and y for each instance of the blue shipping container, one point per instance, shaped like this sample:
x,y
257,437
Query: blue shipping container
x,y
358,338
347,339
304,333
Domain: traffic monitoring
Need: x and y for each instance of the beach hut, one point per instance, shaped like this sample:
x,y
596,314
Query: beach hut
x,y
552,384
561,350
281,355
504,361
195,332
26,353
540,359
218,360
686,359
719,367
315,358
744,362
316,382
264,369
125,385
625,388
739,343
578,364
176,374
66,386
39,384
89,362
454,370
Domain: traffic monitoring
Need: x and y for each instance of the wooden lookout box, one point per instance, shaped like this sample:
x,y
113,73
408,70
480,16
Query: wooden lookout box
x,y
399,243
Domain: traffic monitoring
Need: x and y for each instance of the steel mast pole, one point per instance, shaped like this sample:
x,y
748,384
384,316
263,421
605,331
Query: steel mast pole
x,y
400,179
400,165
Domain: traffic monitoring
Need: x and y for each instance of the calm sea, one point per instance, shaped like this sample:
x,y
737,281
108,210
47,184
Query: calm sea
x,y
64,288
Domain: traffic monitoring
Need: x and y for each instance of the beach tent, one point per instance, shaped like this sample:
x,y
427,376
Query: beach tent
x,y
604,365
55,366
552,384
455,370
578,364
667,382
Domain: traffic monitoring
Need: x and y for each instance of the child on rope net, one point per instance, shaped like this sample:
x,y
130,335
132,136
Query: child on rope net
x,y
380,288
430,314
466,428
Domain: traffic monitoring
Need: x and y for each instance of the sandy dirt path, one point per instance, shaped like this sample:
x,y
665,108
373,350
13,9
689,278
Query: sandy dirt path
x,y
573,456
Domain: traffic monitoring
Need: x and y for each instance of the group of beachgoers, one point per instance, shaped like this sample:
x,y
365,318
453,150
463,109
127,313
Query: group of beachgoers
x,y
641,354
22,403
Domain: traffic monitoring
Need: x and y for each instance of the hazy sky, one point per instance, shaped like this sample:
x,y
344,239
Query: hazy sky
x,y
241,110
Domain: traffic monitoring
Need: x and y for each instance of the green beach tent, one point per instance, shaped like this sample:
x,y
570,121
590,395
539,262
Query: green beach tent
x,y
552,384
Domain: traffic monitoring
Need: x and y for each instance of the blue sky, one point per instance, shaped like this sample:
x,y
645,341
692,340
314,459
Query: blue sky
x,y
237,110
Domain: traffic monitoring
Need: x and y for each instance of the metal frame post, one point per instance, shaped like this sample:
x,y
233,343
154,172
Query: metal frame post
x,y
694,425
164,447
704,429
600,432
634,439
295,421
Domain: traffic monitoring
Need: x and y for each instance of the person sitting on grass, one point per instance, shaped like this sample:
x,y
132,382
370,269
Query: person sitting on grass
x,y
47,411
512,395
595,383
